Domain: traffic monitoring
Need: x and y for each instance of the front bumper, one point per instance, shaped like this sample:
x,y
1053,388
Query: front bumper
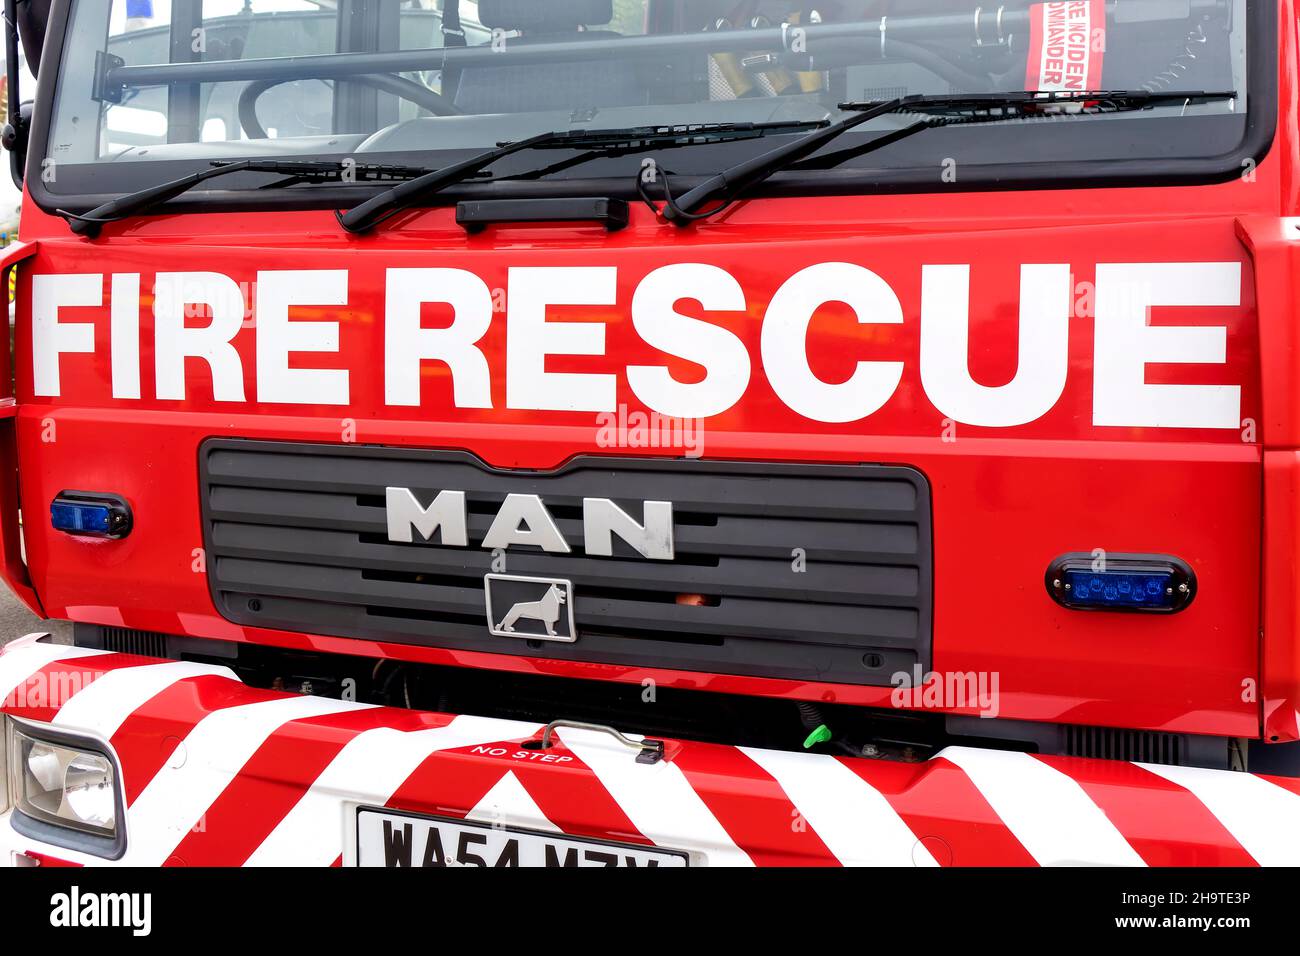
x,y
217,773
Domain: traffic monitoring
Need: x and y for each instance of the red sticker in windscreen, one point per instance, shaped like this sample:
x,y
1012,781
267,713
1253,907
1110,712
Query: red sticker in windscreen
x,y
1067,44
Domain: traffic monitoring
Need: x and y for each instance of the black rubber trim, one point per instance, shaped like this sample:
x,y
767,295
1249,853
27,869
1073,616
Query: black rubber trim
x,y
475,216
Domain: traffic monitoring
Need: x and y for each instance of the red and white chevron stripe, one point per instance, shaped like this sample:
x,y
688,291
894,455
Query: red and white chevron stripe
x,y
218,773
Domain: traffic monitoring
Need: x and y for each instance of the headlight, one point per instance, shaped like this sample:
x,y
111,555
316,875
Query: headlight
x,y
62,784
4,764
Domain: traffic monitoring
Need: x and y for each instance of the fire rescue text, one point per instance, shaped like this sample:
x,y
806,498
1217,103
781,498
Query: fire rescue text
x,y
1125,341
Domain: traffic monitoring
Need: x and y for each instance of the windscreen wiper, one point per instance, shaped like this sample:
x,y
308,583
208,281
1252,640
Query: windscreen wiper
x,y
945,110
389,203
141,201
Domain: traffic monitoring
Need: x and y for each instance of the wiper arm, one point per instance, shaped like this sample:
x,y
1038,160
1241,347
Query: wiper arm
x,y
945,110
141,201
373,212
997,106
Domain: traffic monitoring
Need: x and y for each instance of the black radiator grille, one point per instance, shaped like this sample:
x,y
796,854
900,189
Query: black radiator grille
x,y
125,640
1107,743
296,538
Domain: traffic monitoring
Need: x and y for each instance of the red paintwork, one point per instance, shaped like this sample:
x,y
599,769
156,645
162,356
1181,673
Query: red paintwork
x,y
11,560
44,859
735,799
1006,501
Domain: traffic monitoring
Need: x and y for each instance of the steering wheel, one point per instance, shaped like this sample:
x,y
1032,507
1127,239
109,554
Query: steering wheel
x,y
420,95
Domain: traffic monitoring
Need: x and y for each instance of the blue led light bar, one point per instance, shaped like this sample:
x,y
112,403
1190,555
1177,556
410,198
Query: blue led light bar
x,y
1149,589
80,519
1121,582
90,515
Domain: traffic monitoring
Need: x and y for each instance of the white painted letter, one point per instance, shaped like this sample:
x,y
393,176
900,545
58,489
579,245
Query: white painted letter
x,y
124,325
531,339
723,355
50,337
1044,347
277,337
785,342
1127,343
406,344
174,343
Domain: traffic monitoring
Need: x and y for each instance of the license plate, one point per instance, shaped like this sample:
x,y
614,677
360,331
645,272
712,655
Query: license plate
x,y
389,839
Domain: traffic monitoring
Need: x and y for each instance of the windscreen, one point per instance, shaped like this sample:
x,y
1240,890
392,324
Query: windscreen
x,y
148,89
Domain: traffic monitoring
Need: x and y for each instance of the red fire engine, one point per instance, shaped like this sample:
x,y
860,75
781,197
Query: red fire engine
x,y
651,433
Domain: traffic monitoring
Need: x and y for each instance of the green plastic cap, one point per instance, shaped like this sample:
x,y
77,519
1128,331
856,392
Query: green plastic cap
x,y
818,736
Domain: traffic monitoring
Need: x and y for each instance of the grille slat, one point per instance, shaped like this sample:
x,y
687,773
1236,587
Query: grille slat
x,y
769,620
729,492
296,537
821,582
737,536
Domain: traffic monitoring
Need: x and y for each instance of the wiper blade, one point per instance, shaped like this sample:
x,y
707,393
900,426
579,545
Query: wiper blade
x,y
389,203
977,106
943,110
685,134
141,201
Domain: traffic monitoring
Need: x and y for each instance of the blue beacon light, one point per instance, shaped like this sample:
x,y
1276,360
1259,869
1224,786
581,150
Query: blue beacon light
x,y
1121,582
90,515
